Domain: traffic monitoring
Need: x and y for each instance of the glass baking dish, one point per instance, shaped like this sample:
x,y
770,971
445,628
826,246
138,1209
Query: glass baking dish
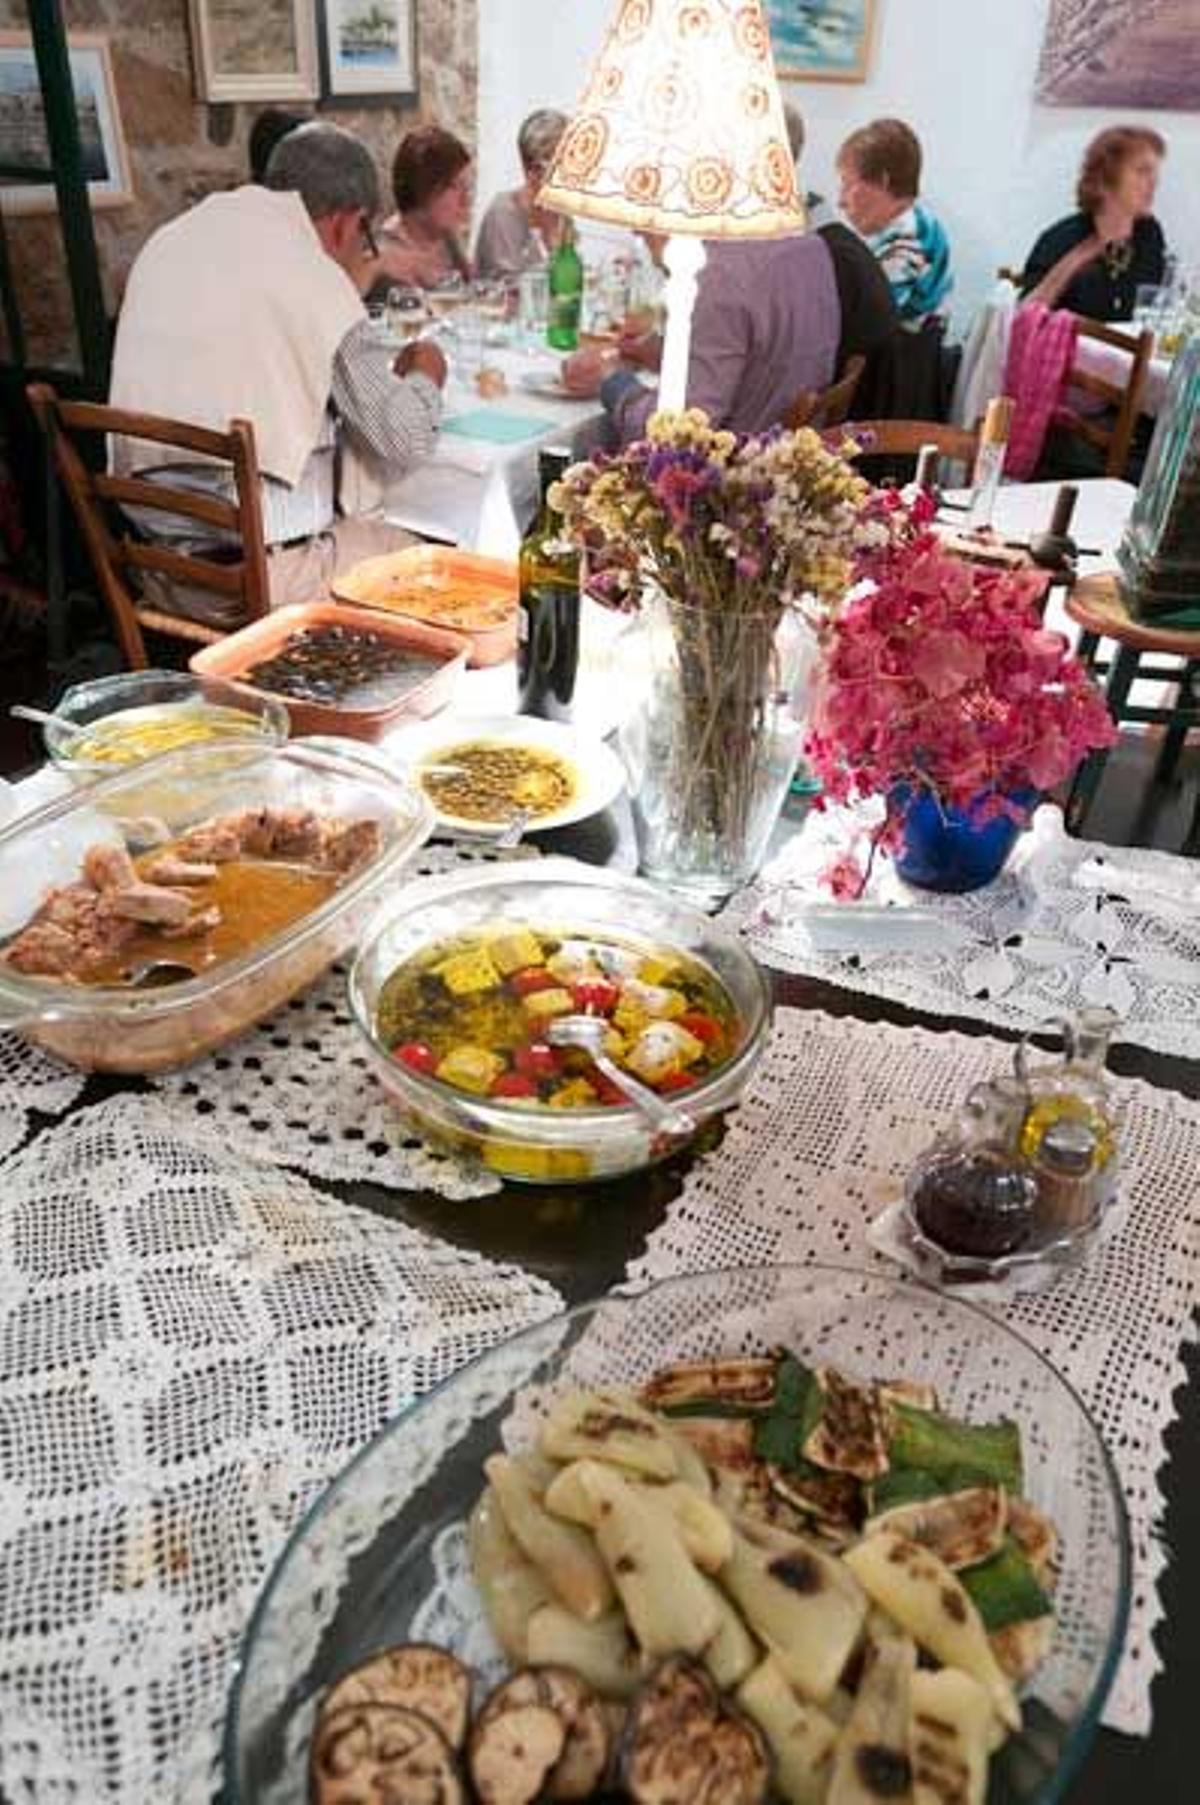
x,y
118,1029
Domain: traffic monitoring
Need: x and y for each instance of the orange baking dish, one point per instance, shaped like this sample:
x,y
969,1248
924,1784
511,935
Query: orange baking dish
x,y
232,657
462,591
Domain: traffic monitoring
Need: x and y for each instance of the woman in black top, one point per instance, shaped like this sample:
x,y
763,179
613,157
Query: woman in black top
x,y
1094,261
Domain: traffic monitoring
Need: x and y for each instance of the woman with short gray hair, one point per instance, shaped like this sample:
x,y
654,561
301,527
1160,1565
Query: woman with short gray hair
x,y
516,233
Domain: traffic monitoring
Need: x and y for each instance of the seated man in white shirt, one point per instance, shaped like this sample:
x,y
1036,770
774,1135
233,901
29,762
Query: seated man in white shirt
x,y
249,306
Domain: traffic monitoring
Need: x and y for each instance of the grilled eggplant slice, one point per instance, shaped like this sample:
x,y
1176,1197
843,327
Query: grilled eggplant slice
x,y
609,1426
803,1603
512,1754
665,1598
681,1745
600,1652
850,1436
927,1600
382,1755
962,1529
511,1587
951,1729
564,1555
724,1443
748,1384
800,1735
832,1502
417,1677
1037,1539
872,1762
913,1392
579,1767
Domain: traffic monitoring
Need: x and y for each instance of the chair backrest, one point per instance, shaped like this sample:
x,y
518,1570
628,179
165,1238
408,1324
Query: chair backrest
x,y
1113,433
820,408
904,438
115,553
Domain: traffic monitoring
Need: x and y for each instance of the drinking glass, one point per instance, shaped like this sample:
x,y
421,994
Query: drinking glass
x,y
470,328
1148,302
534,302
407,314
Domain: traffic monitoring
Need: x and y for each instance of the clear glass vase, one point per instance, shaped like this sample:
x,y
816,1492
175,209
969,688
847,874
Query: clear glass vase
x,y
711,740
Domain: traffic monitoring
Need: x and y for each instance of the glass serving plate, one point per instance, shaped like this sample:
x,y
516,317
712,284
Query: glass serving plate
x,y
381,1559
105,1028
146,695
560,1146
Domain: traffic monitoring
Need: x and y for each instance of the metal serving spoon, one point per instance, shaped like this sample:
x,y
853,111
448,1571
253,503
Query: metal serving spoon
x,y
43,717
514,833
155,974
587,1032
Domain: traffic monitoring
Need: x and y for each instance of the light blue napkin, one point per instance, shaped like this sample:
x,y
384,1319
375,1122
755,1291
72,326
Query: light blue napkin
x,y
496,428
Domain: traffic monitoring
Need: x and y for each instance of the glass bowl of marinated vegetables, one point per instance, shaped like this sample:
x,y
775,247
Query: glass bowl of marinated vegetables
x,y
467,992
791,1533
100,728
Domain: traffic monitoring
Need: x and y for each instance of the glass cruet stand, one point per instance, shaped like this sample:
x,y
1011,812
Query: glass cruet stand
x,y
1073,1110
971,1194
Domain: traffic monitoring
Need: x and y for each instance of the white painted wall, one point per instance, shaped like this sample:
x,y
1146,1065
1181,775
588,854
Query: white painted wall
x,y
998,167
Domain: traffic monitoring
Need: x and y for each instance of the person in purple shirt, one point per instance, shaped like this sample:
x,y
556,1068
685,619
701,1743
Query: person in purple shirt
x,y
766,325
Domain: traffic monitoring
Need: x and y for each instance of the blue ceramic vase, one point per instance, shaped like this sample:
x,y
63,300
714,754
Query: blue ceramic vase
x,y
944,850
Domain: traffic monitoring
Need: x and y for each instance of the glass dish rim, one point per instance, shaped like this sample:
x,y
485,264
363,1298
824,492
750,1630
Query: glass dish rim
x,y
51,999
622,1115
276,723
1082,1731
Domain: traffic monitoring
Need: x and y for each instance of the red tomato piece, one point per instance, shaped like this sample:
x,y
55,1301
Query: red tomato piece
x,y
513,1084
537,1060
416,1056
606,1091
595,996
675,1081
702,1026
533,977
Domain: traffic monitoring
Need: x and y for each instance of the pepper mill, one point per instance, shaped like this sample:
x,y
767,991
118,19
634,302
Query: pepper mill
x,y
1055,549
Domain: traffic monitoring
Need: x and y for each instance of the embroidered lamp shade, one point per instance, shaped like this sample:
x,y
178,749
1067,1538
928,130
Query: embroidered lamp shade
x,y
680,128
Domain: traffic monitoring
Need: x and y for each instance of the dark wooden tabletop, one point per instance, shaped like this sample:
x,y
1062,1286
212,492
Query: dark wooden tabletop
x,y
581,1240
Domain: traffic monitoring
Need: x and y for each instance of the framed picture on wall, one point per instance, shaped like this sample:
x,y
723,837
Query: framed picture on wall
x,y
253,49
1100,53
368,51
23,142
821,40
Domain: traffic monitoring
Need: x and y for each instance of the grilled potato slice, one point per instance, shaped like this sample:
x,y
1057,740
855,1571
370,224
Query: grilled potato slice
x,y
610,1426
511,1587
803,1603
564,1555
665,1598
800,1735
600,1652
951,1727
872,1760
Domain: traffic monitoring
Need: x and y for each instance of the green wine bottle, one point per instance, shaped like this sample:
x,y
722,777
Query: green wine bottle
x,y
548,622
566,292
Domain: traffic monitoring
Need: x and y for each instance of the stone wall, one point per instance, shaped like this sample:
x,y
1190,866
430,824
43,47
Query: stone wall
x,y
181,149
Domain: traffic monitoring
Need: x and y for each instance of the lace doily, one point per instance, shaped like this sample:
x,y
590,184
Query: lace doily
x,y
838,1111
31,1083
298,1090
1067,923
190,1348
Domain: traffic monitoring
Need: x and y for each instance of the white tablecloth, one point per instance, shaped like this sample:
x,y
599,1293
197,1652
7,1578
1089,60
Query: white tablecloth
x,y
479,493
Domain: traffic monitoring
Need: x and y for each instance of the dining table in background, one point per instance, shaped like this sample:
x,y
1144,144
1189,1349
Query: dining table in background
x,y
480,487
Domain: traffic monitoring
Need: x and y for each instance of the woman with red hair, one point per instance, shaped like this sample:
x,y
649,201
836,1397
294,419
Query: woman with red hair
x,y
1094,261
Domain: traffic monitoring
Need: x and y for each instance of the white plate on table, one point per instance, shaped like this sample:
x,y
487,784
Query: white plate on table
x,y
599,778
547,383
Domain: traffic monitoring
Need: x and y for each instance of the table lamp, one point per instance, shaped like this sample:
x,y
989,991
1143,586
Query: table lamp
x,y
680,132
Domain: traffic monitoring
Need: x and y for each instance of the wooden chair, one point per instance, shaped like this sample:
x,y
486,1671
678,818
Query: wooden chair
x,y
117,555
904,438
822,408
1097,605
1112,433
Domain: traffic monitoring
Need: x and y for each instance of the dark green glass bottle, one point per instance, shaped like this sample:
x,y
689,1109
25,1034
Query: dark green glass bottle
x,y
548,619
566,293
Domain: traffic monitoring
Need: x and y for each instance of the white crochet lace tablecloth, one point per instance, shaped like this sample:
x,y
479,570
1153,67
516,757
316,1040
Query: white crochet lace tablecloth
x,y
297,1091
838,1112
1067,923
191,1346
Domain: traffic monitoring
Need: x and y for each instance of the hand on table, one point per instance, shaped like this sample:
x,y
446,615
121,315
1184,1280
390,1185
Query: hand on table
x,y
422,358
584,371
640,348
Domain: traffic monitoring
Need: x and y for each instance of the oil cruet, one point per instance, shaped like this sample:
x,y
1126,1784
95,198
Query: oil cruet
x,y
1071,1131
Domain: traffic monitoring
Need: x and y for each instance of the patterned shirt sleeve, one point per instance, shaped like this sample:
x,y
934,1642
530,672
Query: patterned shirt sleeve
x,y
393,419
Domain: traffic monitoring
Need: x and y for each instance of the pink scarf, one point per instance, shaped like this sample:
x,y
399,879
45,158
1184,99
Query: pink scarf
x,y
1041,351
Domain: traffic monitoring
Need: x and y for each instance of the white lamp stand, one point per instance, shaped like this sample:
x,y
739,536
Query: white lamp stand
x,y
684,259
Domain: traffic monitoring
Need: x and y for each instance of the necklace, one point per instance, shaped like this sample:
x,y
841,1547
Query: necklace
x,y
1118,255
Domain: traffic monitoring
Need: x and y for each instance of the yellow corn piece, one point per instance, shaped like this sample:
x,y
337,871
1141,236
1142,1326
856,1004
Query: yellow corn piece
x,y
658,971
466,974
543,1005
514,1160
470,1069
515,951
576,1093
